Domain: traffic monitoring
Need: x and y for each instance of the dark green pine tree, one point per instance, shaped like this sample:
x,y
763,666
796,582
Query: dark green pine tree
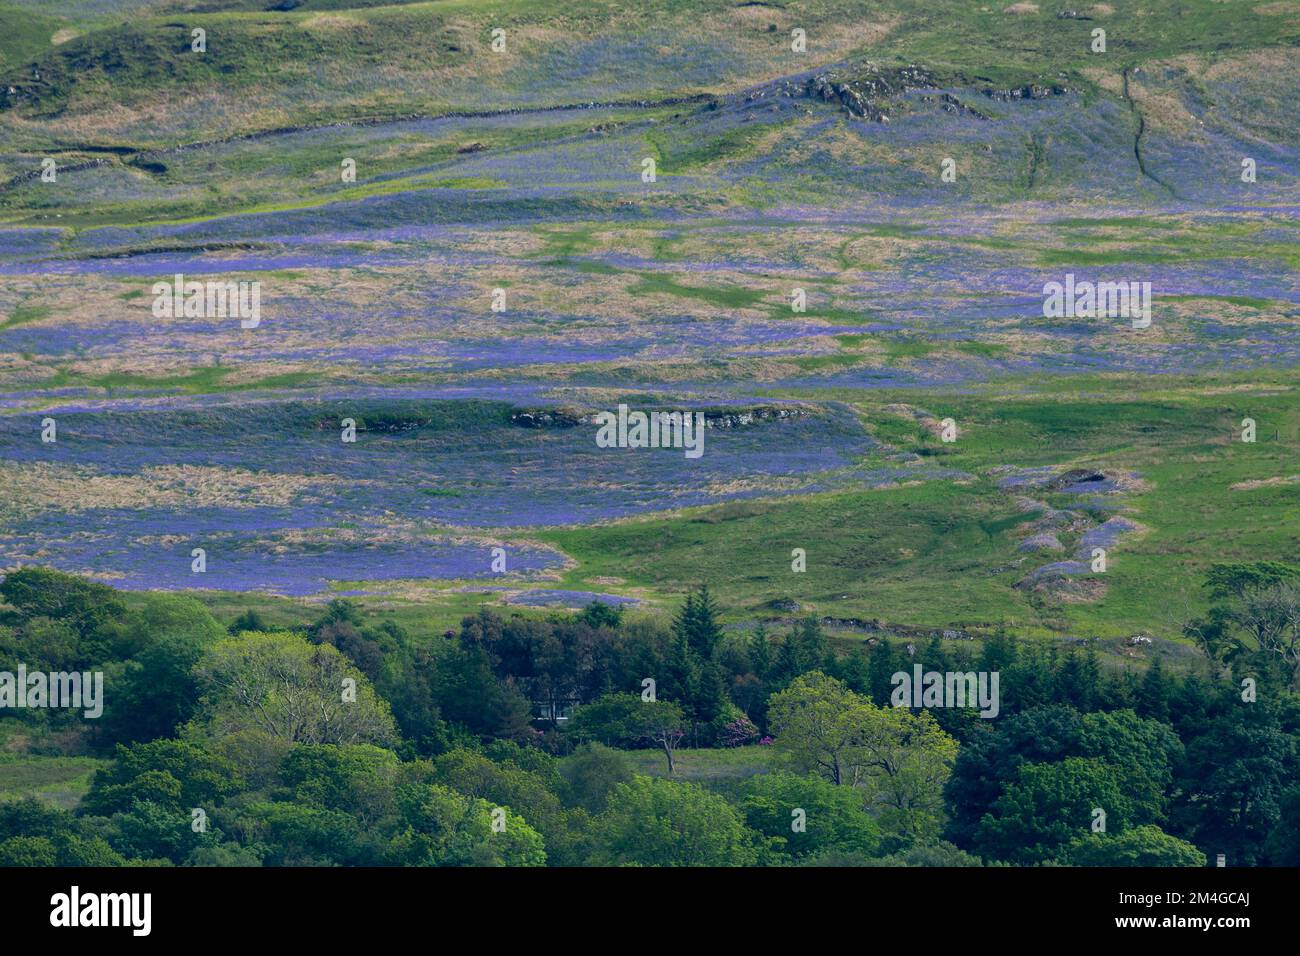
x,y
702,628
786,668
760,653
854,671
682,672
999,652
1090,675
935,656
684,621
811,645
882,664
710,695
1030,680
1153,693
1070,687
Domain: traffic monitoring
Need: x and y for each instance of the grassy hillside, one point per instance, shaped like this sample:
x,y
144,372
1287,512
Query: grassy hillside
x,y
944,554
521,170
319,61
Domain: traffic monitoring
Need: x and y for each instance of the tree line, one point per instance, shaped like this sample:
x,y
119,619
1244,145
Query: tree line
x,y
529,740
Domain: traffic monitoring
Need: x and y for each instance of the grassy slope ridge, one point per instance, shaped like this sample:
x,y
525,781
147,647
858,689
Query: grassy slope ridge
x,y
125,89
149,58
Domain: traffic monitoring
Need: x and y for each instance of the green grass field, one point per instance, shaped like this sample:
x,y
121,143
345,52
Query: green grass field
x,y
720,768
60,780
931,554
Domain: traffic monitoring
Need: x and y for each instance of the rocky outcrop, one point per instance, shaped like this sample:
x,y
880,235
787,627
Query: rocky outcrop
x,y
951,104
861,90
568,417
759,414
548,417
1030,91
